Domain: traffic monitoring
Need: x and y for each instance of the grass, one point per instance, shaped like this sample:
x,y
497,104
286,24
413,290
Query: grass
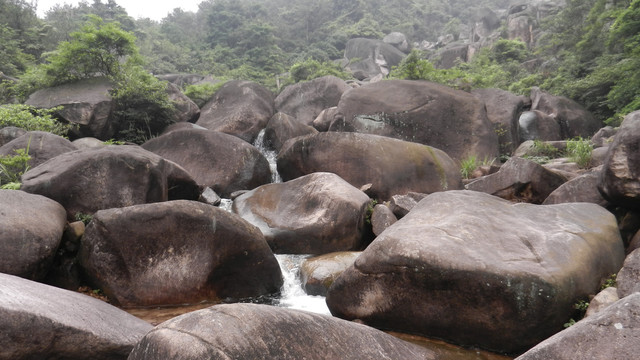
x,y
579,151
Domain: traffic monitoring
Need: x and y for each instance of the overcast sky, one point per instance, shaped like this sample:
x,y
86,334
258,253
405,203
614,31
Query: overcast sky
x,y
154,9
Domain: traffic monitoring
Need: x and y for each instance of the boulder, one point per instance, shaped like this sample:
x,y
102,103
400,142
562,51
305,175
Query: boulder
x,y
391,166
503,111
10,133
610,334
31,228
250,331
239,108
283,127
620,176
604,136
400,205
305,100
313,214
451,120
85,102
88,143
573,118
519,180
318,273
398,40
176,252
536,125
371,57
583,188
43,322
214,159
603,299
451,54
477,270
381,218
628,278
324,119
185,109
41,146
85,181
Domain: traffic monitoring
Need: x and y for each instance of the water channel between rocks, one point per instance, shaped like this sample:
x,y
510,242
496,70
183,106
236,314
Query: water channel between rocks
x,y
293,296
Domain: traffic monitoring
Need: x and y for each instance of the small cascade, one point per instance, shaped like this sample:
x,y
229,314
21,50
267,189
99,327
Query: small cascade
x,y
270,155
292,295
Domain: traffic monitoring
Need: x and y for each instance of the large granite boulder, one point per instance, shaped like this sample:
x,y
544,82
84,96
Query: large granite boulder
x,y
239,108
521,180
583,188
41,146
214,159
503,111
176,252
185,109
85,181
250,331
313,214
398,40
10,133
85,102
477,270
620,176
628,278
613,334
451,120
283,127
536,125
370,58
31,228
43,322
573,118
391,166
304,101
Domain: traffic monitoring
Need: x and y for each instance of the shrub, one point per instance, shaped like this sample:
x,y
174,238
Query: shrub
x,y
467,166
311,69
579,151
12,167
32,119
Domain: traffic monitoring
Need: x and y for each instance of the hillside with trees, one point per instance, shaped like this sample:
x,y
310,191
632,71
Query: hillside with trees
x,y
586,50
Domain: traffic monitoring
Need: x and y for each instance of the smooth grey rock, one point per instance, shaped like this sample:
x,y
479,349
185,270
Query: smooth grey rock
x,y
628,279
319,272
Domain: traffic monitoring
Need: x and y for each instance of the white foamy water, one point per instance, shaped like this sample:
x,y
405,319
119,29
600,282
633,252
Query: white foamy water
x,y
292,295
270,155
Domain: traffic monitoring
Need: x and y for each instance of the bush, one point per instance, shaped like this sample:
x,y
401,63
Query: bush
x,y
12,167
467,166
579,151
311,69
32,119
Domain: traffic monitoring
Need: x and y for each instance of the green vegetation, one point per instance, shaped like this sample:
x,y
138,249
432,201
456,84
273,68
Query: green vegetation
x,y
467,165
311,69
85,218
609,282
369,210
202,93
579,151
12,167
32,119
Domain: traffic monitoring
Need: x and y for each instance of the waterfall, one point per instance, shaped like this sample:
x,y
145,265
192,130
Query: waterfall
x,y
292,295
270,155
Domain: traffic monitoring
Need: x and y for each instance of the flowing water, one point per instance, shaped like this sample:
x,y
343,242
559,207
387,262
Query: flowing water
x,y
270,155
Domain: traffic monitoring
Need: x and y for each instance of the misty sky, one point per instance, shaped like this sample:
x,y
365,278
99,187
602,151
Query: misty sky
x,y
154,9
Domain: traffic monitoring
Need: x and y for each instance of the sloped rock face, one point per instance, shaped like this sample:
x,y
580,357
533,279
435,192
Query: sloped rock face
x,y
398,40
419,111
214,159
10,133
628,279
305,100
392,166
583,188
43,322
176,252
477,270
86,103
620,177
186,109
283,127
85,181
574,120
42,146
249,331
610,334
239,108
313,214
536,125
31,228
519,180
374,57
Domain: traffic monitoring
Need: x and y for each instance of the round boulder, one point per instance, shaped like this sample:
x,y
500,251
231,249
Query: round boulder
x,y
313,214
283,127
31,228
176,252
318,273
84,181
250,331
391,166
41,146
214,159
477,270
239,108
451,120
